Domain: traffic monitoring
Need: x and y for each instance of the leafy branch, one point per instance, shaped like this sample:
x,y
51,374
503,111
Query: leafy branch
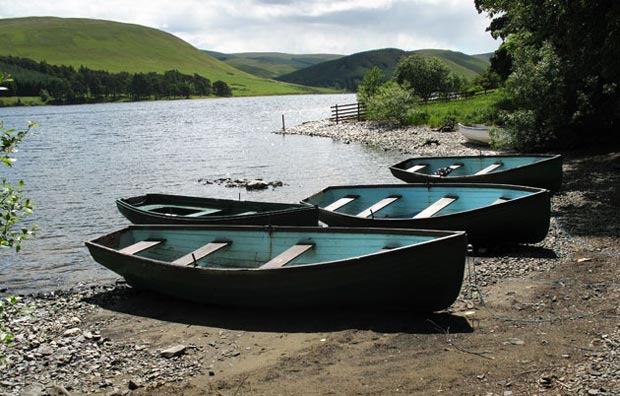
x,y
14,206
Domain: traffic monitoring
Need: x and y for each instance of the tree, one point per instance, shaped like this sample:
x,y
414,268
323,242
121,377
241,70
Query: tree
x,y
390,104
13,205
220,88
370,85
570,49
487,80
424,74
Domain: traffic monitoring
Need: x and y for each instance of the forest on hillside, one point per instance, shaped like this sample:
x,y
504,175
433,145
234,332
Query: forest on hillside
x,y
66,85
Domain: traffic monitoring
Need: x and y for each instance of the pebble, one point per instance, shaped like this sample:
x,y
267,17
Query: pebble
x,y
72,332
173,351
79,361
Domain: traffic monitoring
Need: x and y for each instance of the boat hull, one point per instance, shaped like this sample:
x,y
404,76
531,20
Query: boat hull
x,y
421,277
543,171
521,220
232,212
476,134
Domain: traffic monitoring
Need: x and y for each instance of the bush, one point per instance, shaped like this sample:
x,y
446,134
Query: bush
x,y
371,84
537,88
417,116
390,105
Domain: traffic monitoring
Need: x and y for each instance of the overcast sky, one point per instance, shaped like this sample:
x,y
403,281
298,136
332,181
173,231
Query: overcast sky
x,y
294,26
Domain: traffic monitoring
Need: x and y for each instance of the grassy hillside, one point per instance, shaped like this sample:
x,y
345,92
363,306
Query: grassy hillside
x,y
349,71
115,47
271,64
485,57
458,62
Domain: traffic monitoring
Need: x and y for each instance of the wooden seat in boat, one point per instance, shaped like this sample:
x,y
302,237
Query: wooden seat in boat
x,y
204,212
379,205
287,256
489,168
341,202
139,246
436,207
417,167
200,253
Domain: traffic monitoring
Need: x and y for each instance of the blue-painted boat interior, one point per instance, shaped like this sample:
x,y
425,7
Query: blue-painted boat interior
x,y
413,199
470,165
251,249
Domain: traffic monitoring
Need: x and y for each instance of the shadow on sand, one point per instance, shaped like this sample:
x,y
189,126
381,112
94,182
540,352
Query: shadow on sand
x,y
595,179
517,251
152,305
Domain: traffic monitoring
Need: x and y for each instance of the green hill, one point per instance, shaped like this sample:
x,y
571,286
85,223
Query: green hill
x,y
271,64
348,72
485,57
458,62
116,47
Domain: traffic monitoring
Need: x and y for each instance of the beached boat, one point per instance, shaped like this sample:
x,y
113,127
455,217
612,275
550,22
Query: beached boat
x,y
280,267
475,133
534,170
176,209
489,213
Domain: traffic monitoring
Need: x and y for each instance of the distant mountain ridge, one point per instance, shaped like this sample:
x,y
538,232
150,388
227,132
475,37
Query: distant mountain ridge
x,y
121,47
348,72
271,64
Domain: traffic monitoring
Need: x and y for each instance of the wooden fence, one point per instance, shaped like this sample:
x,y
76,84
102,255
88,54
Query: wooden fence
x,y
347,112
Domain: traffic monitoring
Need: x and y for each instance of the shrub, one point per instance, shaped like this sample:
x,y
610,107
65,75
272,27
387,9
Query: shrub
x,y
371,84
390,105
417,116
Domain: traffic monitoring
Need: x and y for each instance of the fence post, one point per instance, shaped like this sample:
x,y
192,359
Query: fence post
x,y
336,113
283,127
359,117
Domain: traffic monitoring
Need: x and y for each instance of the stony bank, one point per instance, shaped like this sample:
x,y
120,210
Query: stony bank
x,y
538,319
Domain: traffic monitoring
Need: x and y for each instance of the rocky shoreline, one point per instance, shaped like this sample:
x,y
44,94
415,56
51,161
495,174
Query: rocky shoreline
x,y
418,140
55,352
65,346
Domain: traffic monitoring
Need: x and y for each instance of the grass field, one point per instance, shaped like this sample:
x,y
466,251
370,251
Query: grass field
x,y
116,47
21,101
479,109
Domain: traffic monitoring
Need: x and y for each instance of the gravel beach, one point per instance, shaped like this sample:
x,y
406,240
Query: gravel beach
x,y
538,319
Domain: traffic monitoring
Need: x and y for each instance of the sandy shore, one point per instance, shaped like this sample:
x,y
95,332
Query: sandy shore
x,y
538,319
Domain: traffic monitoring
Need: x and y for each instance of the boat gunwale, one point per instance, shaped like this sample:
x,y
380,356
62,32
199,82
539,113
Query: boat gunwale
x,y
474,127
441,235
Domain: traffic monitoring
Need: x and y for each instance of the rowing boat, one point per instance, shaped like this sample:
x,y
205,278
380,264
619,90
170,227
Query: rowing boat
x,y
280,267
177,209
476,133
489,213
534,170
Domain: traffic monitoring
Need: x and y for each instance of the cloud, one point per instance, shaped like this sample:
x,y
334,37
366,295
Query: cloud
x,y
298,26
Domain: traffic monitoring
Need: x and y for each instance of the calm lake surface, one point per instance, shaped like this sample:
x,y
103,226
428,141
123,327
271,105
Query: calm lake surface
x,y
81,158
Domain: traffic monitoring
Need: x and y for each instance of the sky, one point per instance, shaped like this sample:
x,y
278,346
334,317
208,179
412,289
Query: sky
x,y
292,26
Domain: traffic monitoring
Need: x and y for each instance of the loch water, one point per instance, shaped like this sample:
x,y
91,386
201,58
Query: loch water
x,y
83,157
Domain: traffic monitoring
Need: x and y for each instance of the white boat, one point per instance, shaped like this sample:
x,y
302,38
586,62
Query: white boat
x,y
475,133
